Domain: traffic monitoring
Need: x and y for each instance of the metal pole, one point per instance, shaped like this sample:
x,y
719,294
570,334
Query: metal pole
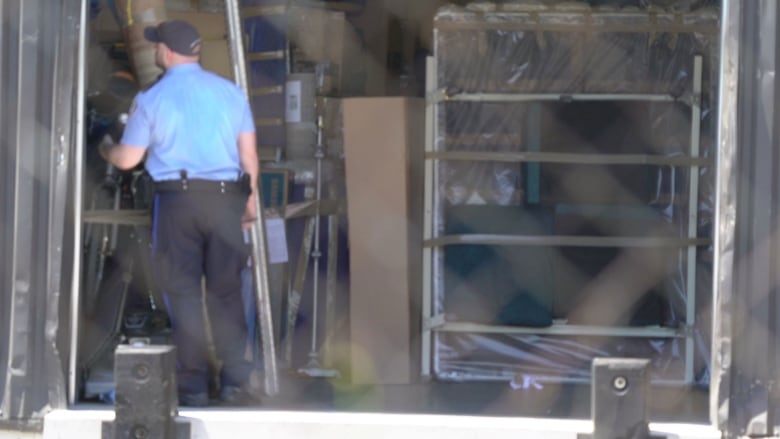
x,y
313,368
427,287
315,253
437,262
236,46
294,296
731,41
330,282
259,244
78,170
541,97
693,210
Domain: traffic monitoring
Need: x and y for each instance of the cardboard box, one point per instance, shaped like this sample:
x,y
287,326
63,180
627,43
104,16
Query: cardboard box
x,y
383,146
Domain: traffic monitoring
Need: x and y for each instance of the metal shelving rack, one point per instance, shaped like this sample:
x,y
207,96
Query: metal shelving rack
x,y
433,241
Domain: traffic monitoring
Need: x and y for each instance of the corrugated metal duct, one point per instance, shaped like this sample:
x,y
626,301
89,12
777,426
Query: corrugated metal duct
x,y
38,48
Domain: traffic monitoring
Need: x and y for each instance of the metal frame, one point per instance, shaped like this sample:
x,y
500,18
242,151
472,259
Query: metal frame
x,y
442,96
78,171
693,211
434,323
260,273
429,253
573,158
732,40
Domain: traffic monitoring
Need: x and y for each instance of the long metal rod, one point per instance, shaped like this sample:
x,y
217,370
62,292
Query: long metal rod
x,y
566,241
580,27
296,292
533,138
236,45
575,97
5,398
573,158
140,217
61,138
330,283
259,244
78,171
596,331
438,213
731,40
315,253
693,211
427,286
545,378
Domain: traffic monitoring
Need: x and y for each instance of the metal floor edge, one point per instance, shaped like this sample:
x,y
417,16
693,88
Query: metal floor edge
x,y
245,424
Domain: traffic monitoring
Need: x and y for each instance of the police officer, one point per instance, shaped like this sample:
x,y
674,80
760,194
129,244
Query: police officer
x,y
197,133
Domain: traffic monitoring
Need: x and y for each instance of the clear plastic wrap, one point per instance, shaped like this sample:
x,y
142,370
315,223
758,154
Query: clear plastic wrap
x,y
569,47
600,147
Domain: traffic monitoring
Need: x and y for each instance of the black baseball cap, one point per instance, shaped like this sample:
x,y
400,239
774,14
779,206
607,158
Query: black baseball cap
x,y
178,35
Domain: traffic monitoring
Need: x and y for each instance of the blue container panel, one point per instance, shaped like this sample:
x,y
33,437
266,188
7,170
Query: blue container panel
x,y
267,73
266,33
272,136
268,106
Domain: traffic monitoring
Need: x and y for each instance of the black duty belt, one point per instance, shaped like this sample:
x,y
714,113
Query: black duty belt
x,y
195,185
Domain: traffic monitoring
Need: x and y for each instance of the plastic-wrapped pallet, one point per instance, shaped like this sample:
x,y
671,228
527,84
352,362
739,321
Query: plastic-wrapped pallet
x,y
554,57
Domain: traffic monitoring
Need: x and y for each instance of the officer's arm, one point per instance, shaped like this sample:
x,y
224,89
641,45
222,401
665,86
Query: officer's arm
x,y
123,156
247,153
131,150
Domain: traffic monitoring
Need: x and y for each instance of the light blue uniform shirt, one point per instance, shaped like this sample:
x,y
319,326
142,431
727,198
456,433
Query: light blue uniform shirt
x,y
190,120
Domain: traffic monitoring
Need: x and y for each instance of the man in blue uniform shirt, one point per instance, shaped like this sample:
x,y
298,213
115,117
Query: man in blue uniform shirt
x,y
197,133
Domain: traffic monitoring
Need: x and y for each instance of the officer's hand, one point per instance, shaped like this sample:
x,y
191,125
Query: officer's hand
x,y
250,214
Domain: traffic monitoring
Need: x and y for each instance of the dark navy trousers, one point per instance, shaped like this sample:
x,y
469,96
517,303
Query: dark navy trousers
x,y
197,234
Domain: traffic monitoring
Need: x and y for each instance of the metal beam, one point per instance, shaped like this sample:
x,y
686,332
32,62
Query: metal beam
x,y
562,329
428,183
693,215
443,96
571,158
565,241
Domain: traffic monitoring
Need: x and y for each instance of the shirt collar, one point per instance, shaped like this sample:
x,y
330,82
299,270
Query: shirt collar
x,y
188,67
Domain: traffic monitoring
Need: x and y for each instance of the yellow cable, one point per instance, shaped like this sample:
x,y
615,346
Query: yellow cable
x,y
129,12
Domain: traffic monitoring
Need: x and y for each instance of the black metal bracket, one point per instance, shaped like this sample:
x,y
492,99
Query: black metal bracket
x,y
619,393
146,403
183,431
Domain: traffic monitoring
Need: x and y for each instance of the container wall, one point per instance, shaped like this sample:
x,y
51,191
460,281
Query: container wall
x,y
38,41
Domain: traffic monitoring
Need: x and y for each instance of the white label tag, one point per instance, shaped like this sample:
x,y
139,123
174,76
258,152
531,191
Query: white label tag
x,y
294,101
277,240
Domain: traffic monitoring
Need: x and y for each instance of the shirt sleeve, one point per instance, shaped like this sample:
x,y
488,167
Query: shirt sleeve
x,y
247,121
138,129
